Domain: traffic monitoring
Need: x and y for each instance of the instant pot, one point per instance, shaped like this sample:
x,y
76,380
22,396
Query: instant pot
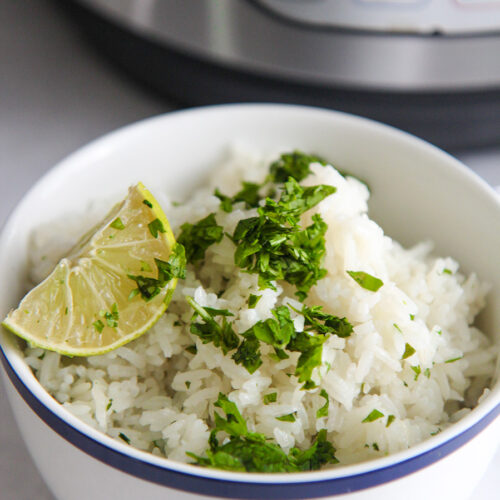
x,y
431,67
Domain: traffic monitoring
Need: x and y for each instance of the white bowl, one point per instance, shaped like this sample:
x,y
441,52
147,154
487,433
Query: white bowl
x,y
418,192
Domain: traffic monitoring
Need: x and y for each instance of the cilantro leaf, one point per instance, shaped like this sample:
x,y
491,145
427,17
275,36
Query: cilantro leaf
x,y
175,268
365,280
221,335
226,203
117,224
98,325
253,300
111,317
323,411
290,417
253,452
248,354
409,351
270,398
196,238
317,320
274,246
320,453
155,227
295,165
374,415
248,194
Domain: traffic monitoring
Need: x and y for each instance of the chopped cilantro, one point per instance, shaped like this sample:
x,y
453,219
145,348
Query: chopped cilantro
x,y
323,411
187,383
196,238
375,447
66,311
248,353
390,420
252,452
317,320
452,360
409,351
417,371
192,349
248,194
294,165
226,203
290,417
98,325
111,317
447,271
436,431
427,372
124,437
365,280
147,203
439,332
270,398
253,300
273,244
155,227
395,325
374,415
412,317
174,268
221,335
117,224
110,402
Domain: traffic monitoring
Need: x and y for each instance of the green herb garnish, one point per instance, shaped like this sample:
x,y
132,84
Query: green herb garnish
x,y
253,300
274,246
155,227
253,452
417,371
290,417
374,415
147,203
452,360
98,325
108,406
196,238
295,165
323,411
365,280
390,420
111,317
192,349
270,398
124,437
174,268
210,331
117,224
409,351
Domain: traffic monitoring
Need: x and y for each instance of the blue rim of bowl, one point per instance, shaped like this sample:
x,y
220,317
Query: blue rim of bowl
x,y
238,489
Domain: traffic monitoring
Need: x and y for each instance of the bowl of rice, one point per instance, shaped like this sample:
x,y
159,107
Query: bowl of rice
x,y
336,333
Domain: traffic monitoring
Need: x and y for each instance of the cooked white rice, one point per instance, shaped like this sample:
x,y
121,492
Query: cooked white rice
x,y
161,396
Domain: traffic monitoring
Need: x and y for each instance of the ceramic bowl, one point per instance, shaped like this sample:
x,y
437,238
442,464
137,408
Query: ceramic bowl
x,y
418,192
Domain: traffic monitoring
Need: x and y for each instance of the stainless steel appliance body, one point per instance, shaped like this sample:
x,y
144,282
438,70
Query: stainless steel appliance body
x,y
429,66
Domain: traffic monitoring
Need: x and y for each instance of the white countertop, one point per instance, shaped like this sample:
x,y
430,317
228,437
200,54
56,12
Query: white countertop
x,y
57,94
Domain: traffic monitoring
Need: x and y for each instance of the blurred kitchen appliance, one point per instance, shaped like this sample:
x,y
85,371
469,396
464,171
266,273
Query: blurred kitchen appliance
x,y
431,67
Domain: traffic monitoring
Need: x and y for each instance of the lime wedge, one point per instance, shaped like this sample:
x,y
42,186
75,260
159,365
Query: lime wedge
x,y
112,286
